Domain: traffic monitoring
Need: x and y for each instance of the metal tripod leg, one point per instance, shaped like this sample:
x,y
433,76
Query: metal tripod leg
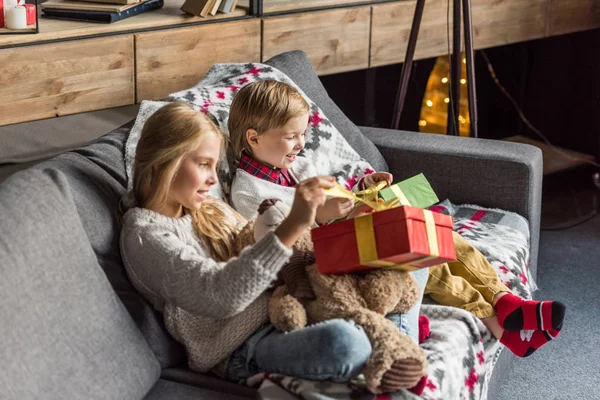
x,y
407,66
410,52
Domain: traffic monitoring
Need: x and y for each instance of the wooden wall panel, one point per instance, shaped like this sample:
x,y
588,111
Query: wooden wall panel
x,y
335,40
272,6
495,23
501,22
391,30
172,60
57,79
568,16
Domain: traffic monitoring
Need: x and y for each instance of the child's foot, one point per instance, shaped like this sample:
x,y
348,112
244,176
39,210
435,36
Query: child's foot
x,y
516,313
402,375
526,342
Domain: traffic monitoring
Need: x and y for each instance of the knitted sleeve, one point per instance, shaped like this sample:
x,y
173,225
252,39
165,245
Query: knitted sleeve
x,y
167,268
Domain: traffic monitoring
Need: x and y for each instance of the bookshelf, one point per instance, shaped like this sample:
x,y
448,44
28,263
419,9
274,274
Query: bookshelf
x,y
71,67
169,16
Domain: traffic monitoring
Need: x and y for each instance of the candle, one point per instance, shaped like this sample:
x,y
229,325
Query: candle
x,y
8,4
1,13
16,18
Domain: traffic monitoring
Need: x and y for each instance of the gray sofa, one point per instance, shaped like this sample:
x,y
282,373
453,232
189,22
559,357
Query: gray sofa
x,y
71,324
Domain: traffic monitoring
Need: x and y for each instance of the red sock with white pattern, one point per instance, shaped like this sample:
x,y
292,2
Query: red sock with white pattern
x,y
516,313
526,342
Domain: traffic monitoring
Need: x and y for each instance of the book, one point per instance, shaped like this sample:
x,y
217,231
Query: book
x,y
114,1
200,8
85,6
215,7
227,6
102,16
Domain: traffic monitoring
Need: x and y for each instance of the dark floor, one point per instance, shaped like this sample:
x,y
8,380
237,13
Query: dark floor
x,y
568,270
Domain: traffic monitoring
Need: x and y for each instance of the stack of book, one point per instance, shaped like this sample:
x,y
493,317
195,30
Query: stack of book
x,y
202,8
102,11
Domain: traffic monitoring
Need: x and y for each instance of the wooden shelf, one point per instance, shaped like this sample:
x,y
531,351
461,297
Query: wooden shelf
x,y
169,15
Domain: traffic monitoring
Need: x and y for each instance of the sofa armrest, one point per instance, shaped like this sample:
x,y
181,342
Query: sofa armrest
x,y
490,173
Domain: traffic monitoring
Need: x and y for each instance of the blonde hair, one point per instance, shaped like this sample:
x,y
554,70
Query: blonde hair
x,y
168,135
262,106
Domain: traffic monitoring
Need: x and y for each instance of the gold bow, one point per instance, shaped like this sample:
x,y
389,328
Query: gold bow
x,y
369,196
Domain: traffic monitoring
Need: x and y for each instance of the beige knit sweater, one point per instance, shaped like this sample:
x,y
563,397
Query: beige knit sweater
x,y
210,307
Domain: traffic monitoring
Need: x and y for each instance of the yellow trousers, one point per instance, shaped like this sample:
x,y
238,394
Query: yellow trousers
x,y
469,283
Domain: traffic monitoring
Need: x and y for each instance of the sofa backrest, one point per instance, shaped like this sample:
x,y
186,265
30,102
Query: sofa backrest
x,y
298,67
64,332
97,181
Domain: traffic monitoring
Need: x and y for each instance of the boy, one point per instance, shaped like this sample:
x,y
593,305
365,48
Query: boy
x,y
267,125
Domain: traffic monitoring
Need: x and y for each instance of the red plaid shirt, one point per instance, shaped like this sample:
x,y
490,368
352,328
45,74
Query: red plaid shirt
x,y
275,175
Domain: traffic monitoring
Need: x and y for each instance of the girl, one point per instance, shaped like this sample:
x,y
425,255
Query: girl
x,y
177,247
267,148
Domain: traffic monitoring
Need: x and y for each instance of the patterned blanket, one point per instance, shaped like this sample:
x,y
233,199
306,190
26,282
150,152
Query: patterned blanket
x,y
461,352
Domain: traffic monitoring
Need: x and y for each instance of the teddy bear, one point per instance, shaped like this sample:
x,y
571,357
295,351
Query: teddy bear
x,y
364,298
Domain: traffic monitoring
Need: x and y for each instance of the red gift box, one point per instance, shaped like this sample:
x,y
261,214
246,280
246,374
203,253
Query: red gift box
x,y
401,238
30,13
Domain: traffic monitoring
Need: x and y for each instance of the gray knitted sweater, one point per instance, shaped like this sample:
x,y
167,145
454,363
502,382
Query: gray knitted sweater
x,y
211,307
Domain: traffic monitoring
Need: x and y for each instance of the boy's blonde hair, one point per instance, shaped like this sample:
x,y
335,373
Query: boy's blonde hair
x,y
262,106
168,135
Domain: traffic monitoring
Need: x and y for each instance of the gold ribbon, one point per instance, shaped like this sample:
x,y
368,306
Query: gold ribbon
x,y
367,196
400,195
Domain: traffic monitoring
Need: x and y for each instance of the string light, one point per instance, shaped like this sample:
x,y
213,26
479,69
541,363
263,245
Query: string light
x,y
434,107
464,60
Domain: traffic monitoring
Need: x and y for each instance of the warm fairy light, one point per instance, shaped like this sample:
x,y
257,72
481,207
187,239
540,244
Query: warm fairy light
x,y
422,122
464,60
429,103
463,81
446,100
444,80
461,119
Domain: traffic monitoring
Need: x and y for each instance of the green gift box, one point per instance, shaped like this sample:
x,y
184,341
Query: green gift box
x,y
415,191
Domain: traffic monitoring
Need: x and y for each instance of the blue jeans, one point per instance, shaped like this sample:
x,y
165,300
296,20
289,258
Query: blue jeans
x,y
334,349
409,321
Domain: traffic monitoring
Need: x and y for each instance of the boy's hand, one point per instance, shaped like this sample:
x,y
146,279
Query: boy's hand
x,y
376,177
334,208
360,211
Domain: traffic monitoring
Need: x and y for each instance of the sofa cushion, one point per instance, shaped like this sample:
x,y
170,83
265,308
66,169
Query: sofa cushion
x,y
65,334
298,67
96,176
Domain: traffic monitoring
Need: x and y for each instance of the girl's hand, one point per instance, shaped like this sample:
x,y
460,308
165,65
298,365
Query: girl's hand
x,y
333,209
376,177
310,195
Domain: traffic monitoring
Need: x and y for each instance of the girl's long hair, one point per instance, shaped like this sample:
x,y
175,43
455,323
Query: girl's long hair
x,y
168,135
